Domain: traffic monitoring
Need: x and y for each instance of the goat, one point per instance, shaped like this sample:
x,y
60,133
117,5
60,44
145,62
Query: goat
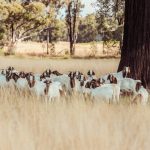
x,y
130,85
142,95
46,74
106,92
91,75
125,73
3,81
53,90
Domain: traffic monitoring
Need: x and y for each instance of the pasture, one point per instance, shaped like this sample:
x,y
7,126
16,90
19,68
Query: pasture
x,y
91,49
28,123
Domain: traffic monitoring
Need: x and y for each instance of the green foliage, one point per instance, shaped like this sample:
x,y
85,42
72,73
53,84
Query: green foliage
x,y
87,30
110,18
59,31
24,20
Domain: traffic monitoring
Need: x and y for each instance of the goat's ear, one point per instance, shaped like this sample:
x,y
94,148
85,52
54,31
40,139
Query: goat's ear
x,y
55,72
27,76
69,75
93,73
108,78
74,74
49,71
115,80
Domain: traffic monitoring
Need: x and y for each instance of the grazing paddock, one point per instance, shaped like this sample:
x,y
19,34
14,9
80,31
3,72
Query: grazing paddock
x,y
62,48
28,123
100,66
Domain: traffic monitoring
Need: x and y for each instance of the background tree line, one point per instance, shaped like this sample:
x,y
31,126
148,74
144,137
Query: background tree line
x,y
40,20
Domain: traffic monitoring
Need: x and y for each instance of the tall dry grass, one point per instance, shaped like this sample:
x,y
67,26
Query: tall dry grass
x,y
37,65
28,123
82,49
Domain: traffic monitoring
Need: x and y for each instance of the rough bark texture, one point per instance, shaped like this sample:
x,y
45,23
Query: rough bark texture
x,y
136,43
72,14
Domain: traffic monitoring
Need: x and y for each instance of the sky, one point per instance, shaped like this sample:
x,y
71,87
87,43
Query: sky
x,y
88,8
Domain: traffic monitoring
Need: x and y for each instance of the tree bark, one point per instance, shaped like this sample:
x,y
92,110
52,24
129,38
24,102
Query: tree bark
x,y
72,14
47,41
136,41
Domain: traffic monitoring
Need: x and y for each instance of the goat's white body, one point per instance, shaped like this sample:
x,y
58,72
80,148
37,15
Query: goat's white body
x,y
37,76
39,88
78,87
22,83
128,84
90,78
107,92
63,79
118,76
144,95
3,81
54,90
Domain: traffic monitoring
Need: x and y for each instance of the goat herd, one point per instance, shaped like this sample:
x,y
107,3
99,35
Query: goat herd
x,y
53,85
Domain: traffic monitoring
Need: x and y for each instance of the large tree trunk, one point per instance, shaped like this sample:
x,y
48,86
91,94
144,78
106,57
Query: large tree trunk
x,y
136,43
72,14
12,43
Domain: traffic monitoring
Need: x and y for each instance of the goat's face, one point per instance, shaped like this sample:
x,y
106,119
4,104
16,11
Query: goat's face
x,y
47,82
77,74
48,73
8,72
56,73
72,79
30,79
45,74
82,79
42,76
91,85
138,86
91,73
88,85
95,83
3,72
8,76
10,68
15,77
126,72
112,79
22,74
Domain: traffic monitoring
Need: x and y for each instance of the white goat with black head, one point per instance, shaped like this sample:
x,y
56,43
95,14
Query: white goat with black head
x,y
125,73
53,90
91,75
141,95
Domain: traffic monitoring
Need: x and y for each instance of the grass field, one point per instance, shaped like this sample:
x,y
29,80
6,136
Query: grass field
x,y
27,123
62,49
